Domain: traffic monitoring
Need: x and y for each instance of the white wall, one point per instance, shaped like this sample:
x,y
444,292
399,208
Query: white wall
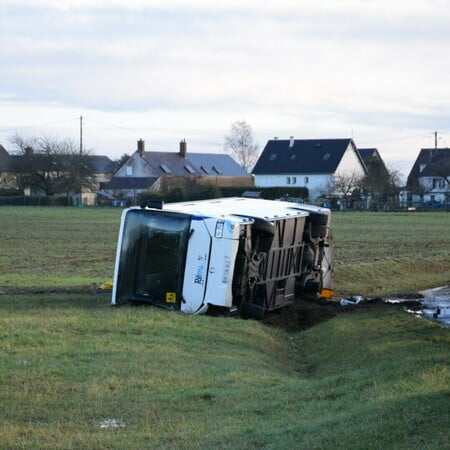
x,y
139,168
316,184
434,183
350,163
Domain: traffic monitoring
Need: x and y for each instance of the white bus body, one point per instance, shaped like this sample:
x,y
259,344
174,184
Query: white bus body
x,y
232,254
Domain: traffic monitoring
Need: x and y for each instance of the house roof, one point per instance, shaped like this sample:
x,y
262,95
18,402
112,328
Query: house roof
x,y
430,162
97,163
373,161
100,164
368,153
205,164
4,158
309,156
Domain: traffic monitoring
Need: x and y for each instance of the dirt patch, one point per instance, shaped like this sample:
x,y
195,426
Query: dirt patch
x,y
305,314
302,315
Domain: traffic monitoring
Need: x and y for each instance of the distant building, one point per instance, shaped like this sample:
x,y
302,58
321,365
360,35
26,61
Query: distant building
x,y
157,171
7,174
368,154
15,173
428,182
310,163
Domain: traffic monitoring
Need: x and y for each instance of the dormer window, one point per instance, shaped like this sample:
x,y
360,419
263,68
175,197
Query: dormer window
x,y
165,169
189,168
217,170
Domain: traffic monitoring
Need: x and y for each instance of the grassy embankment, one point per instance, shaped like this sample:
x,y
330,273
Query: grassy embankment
x,y
78,374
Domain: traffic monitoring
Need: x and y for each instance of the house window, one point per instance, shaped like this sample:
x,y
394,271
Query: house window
x,y
129,171
288,180
294,180
326,157
293,156
438,183
272,157
204,169
306,180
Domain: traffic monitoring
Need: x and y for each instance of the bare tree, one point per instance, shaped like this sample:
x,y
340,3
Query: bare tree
x,y
345,183
50,165
240,143
380,183
119,162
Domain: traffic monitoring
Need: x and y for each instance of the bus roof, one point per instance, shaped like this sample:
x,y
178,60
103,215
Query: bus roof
x,y
245,207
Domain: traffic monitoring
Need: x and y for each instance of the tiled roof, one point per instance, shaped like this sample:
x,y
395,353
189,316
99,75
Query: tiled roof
x,y
212,164
100,164
13,163
367,153
309,156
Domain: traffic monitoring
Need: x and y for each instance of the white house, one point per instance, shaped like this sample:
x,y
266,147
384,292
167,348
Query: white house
x,y
310,163
428,181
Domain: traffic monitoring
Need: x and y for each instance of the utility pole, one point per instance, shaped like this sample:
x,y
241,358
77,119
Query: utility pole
x,y
81,161
435,140
81,135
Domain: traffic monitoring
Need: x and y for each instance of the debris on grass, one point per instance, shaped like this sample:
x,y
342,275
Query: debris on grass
x,y
355,300
111,423
107,285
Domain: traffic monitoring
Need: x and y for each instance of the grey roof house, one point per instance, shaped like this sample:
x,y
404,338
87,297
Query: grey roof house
x,y
429,179
159,171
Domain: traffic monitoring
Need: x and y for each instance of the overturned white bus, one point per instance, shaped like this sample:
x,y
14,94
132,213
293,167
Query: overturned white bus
x,y
236,255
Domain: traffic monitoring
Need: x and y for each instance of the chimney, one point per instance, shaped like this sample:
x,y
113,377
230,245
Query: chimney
x,y
291,141
29,151
183,148
141,147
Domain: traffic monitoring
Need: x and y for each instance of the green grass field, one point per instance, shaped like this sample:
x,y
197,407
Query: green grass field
x,y
388,253
76,373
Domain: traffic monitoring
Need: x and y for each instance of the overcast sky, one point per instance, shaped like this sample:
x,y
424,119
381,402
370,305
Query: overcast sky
x,y
164,70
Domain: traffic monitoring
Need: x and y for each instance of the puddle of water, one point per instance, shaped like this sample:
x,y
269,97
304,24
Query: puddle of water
x,y
435,305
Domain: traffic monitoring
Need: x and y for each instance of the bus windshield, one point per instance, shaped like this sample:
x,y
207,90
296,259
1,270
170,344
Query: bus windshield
x,y
152,258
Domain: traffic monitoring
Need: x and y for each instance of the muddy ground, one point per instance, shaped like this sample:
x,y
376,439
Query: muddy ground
x,y
305,314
